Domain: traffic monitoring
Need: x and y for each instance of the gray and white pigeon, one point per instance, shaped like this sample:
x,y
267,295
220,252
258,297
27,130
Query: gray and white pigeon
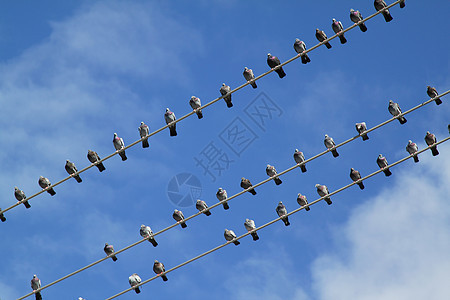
x,y
230,236
272,172
225,90
134,280
282,212
44,183
321,36
222,195
169,117
356,17
20,195
273,62
322,190
201,206
356,176
395,110
179,217
147,233
36,284
250,226
300,47
248,75
338,29
2,216
412,148
430,139
71,169
329,143
158,268
94,159
109,249
195,103
143,132
379,5
119,146
432,92
302,201
382,163
361,127
245,184
300,158
402,4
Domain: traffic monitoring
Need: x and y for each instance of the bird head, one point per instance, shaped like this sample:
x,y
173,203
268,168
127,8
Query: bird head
x,y
269,55
428,132
247,220
351,10
326,136
390,101
297,40
334,20
106,244
115,134
380,155
193,98
317,185
176,211
245,69
167,109
296,150
317,30
280,203
34,276
142,226
220,189
142,123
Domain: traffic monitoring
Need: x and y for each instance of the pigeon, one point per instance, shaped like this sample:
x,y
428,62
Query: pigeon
x,y
36,284
72,169
402,4
379,5
45,184
321,36
250,226
245,184
355,176
79,298
109,249
300,47
158,268
395,110
201,206
119,146
20,195
282,212
302,201
94,158
143,132
273,62
2,216
195,103
322,190
382,163
222,195
412,148
248,75
430,139
356,17
147,233
179,217
329,143
170,117
135,280
224,90
230,236
361,127
299,158
338,29
271,172
432,92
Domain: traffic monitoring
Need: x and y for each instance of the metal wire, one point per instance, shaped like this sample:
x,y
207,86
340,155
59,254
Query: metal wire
x,y
201,107
278,219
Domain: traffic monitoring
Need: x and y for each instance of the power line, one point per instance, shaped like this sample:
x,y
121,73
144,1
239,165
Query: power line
x,y
277,219
203,106
241,192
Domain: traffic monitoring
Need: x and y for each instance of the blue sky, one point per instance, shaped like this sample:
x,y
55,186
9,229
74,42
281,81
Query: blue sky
x,y
73,73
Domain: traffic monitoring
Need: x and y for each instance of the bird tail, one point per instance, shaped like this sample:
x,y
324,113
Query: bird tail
x,y
303,168
252,191
208,213
416,158
328,200
286,222
114,258
183,225
402,120
51,192
335,153
277,181
307,208
434,150
438,101
27,205
199,114
387,16
173,130
38,296
363,27
164,277
280,72
137,290
145,143
153,241
228,101
328,45
365,137
123,155
253,84
342,39
402,4
2,217
236,242
101,167
361,185
225,206
305,59
78,178
255,236
387,172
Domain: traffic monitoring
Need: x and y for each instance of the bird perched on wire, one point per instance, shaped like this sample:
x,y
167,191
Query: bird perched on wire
x,y
382,163
432,92
245,184
230,236
321,36
272,172
250,226
361,127
2,216
412,148
45,184
94,159
282,212
430,139
119,146
356,17
339,30
169,117
273,62
356,177
329,143
302,201
395,110
195,103
201,206
248,75
322,190
109,249
300,47
147,233
71,169
143,132
20,195
158,268
134,280
222,195
36,284
225,90
179,217
379,5
300,158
